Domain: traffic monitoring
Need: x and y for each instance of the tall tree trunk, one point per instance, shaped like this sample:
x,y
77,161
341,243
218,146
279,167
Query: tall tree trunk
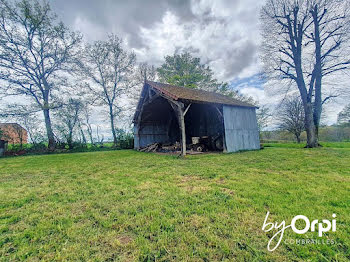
x,y
70,140
89,129
49,132
297,136
306,98
317,110
83,137
111,115
297,44
310,127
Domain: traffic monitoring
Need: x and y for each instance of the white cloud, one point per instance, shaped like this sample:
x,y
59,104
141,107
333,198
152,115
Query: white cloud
x,y
217,34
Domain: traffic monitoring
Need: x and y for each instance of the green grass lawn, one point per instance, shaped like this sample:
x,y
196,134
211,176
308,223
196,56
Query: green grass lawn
x,y
127,205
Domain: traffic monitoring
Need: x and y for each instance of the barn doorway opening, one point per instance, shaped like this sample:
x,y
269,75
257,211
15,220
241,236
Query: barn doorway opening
x,y
160,130
204,128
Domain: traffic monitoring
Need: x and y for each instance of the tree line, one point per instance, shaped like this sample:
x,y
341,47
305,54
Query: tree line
x,y
289,119
57,74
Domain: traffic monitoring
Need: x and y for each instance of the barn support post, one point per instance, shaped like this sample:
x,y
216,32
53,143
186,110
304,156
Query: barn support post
x,y
180,110
183,129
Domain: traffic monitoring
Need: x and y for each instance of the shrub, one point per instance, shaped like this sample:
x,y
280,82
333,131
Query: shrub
x,y
126,141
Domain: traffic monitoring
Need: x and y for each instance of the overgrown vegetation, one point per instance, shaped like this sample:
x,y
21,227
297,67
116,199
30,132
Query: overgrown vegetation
x,y
125,141
207,207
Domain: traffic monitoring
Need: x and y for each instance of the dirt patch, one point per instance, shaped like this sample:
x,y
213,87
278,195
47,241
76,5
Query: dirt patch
x,y
124,240
192,184
221,181
198,221
195,189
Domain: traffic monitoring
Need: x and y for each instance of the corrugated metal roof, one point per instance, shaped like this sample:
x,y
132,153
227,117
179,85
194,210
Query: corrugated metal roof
x,y
185,93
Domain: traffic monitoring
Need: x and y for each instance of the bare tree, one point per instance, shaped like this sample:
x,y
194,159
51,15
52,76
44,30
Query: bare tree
x,y
20,133
99,138
81,132
33,124
35,53
146,72
85,121
109,68
142,72
305,41
291,116
68,120
263,116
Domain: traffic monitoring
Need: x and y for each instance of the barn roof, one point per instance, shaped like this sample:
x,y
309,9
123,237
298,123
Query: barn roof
x,y
196,95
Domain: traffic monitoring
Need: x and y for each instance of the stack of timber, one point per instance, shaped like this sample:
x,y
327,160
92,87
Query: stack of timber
x,y
150,148
163,148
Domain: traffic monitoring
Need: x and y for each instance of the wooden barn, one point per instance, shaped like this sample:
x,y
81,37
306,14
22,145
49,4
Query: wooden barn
x,y
194,119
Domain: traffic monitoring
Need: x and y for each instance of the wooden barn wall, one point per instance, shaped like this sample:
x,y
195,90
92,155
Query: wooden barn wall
x,y
149,134
241,128
136,137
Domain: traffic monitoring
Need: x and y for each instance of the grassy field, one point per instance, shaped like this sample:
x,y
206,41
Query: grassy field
x,y
126,205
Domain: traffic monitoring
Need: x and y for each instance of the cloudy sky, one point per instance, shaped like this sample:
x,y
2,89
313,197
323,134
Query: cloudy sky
x,y
223,33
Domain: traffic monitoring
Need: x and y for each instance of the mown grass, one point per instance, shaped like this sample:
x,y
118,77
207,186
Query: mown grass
x,y
126,205
302,144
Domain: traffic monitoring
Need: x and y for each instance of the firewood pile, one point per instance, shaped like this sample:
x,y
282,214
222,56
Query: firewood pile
x,y
150,148
164,148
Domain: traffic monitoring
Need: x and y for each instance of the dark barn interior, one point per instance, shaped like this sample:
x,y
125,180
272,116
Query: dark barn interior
x,y
159,123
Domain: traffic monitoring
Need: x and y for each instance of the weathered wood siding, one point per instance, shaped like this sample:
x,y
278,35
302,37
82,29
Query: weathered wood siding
x,y
149,134
241,128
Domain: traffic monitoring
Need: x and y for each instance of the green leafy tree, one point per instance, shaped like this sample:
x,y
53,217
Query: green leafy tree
x,y
226,90
185,70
